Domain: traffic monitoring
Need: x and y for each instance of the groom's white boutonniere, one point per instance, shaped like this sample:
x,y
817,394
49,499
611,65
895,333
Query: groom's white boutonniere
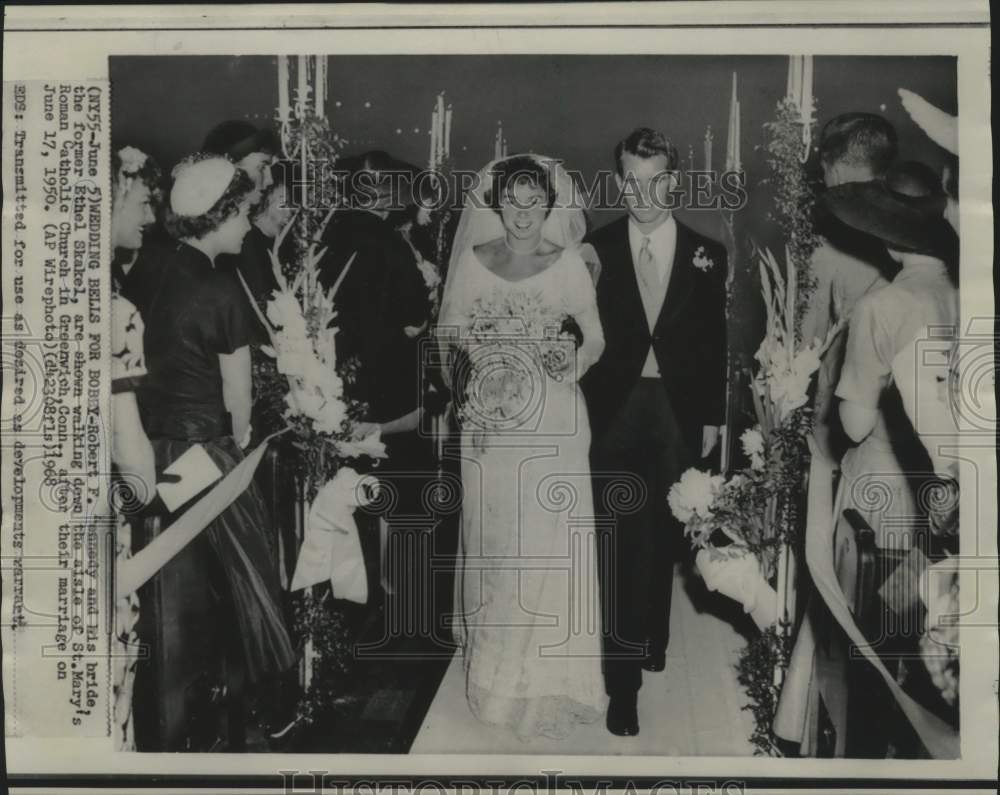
x,y
701,261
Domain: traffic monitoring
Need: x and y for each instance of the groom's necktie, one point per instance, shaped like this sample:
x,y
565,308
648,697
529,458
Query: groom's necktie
x,y
652,277
652,292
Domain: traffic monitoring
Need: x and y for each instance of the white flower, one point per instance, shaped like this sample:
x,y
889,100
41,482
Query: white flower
x,y
295,357
753,447
327,381
752,441
694,494
430,273
132,159
330,416
701,261
788,392
806,362
371,446
284,312
306,402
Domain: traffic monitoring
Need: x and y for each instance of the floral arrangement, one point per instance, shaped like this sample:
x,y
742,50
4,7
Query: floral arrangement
x,y
729,516
330,630
745,525
739,515
786,363
793,195
305,387
769,650
300,383
512,340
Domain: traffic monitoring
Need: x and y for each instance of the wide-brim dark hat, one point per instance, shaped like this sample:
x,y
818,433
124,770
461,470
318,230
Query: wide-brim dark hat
x,y
236,139
905,209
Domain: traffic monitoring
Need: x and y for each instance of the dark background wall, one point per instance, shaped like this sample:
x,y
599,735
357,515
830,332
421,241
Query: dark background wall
x,y
572,107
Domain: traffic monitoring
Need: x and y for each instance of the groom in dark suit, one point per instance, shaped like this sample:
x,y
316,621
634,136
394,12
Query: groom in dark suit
x,y
656,401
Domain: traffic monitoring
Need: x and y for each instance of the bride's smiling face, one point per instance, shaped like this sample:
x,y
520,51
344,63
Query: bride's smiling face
x,y
523,211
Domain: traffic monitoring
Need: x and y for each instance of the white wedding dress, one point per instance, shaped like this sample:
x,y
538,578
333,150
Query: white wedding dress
x,y
527,608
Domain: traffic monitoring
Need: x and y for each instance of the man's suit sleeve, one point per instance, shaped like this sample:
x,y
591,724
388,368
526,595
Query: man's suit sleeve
x,y
410,303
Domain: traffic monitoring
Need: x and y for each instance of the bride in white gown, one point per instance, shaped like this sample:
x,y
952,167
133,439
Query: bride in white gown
x,y
519,312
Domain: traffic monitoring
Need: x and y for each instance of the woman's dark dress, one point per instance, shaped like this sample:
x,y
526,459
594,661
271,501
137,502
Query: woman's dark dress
x,y
196,313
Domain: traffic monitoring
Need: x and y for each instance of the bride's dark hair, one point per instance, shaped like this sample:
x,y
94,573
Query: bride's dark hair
x,y
508,174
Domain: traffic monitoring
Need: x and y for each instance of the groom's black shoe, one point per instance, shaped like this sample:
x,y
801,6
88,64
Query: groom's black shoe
x,y
623,715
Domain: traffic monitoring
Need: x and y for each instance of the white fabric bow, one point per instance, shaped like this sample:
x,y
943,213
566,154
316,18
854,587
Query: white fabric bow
x,y
739,577
331,548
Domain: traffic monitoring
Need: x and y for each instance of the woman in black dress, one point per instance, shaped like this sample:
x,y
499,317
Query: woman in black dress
x,y
198,390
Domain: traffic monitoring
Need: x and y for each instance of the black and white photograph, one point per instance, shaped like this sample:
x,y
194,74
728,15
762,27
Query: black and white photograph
x,y
550,396
546,355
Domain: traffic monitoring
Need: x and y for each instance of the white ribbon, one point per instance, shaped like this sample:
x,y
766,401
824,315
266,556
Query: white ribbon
x,y
739,577
331,548
938,737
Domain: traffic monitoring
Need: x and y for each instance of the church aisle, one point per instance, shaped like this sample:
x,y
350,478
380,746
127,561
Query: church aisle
x,y
692,708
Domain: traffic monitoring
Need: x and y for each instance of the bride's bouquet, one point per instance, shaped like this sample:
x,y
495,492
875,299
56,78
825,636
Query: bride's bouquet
x,y
514,341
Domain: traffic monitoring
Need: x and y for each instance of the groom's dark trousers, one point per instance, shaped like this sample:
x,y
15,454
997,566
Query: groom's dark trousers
x,y
636,460
647,431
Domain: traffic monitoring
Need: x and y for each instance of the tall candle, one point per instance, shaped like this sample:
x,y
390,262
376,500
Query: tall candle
x,y
737,154
320,85
708,148
434,135
731,143
300,100
284,112
439,116
807,89
439,136
447,132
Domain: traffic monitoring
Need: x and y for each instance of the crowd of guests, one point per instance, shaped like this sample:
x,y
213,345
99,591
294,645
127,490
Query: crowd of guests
x,y
189,258
887,269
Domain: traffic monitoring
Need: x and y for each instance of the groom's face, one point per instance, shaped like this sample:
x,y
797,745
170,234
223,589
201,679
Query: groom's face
x,y
645,183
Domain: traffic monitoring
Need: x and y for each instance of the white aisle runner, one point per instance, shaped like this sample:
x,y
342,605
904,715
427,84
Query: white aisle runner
x,y
690,709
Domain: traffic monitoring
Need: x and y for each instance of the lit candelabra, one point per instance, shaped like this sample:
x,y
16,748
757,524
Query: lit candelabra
x,y
733,160
499,143
440,133
799,89
308,97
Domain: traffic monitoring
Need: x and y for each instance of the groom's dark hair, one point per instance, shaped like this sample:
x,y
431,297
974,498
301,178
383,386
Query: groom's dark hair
x,y
645,142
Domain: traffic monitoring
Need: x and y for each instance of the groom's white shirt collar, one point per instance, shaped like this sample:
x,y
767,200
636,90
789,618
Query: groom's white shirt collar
x,y
662,244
